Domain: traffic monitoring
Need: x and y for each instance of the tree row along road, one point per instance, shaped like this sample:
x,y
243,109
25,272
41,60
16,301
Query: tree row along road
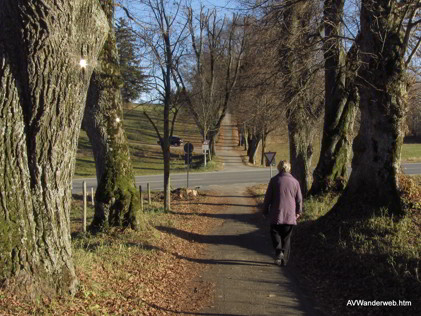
x,y
235,172
203,180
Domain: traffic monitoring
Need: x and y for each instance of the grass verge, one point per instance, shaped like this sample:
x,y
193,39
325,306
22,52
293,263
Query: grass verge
x,y
374,258
278,142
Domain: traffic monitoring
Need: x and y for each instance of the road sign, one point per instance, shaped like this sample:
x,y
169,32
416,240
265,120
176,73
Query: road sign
x,y
188,147
205,145
187,159
270,156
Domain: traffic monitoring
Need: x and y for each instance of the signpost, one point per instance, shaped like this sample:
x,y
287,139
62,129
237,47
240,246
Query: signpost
x,y
205,148
270,157
188,149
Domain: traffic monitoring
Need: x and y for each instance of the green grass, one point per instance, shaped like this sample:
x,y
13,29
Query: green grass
x,y
145,153
147,157
281,147
277,142
411,152
369,256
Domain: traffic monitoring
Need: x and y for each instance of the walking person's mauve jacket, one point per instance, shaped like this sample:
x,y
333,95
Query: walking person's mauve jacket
x,y
283,199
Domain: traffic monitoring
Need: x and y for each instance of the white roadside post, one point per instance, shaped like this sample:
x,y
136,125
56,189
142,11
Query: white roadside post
x,y
205,148
85,206
270,156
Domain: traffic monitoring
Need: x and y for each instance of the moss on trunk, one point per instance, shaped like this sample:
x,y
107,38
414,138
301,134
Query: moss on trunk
x,y
377,147
117,200
43,90
301,152
341,102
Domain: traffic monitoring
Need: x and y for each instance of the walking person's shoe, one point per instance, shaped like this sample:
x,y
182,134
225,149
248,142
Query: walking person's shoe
x,y
279,260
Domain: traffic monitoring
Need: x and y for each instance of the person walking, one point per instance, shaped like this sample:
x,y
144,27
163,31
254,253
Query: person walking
x,y
283,203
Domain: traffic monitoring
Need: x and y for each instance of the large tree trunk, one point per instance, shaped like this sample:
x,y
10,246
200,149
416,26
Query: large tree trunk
x,y
301,151
116,200
262,158
341,101
253,147
377,147
212,137
246,139
296,58
42,96
167,155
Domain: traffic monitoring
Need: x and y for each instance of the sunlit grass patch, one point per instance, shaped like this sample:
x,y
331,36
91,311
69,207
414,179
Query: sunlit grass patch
x,y
315,207
278,142
146,154
411,153
384,233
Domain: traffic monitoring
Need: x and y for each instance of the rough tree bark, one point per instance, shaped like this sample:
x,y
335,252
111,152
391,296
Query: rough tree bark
x,y
254,142
295,59
42,95
262,158
341,102
300,136
116,200
377,147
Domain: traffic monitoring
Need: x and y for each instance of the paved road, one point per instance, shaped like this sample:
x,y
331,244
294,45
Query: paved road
x,y
247,175
235,172
411,168
204,180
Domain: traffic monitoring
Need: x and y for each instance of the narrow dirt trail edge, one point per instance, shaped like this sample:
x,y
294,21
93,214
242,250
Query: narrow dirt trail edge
x,y
238,259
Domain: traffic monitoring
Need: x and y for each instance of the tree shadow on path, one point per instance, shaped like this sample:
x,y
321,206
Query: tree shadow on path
x,y
246,229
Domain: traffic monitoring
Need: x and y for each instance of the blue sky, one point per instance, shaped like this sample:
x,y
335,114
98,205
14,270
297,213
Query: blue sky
x,y
142,12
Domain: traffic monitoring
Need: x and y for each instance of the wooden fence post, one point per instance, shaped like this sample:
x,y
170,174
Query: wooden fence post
x,y
141,197
149,194
84,206
92,196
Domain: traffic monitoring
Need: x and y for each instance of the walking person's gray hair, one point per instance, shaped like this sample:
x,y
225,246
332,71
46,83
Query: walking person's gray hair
x,y
284,166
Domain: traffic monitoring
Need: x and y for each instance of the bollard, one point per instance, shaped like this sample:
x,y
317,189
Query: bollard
x,y
92,196
141,197
149,194
84,206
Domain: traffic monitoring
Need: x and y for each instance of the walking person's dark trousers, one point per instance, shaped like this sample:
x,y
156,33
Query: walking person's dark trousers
x,y
281,240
